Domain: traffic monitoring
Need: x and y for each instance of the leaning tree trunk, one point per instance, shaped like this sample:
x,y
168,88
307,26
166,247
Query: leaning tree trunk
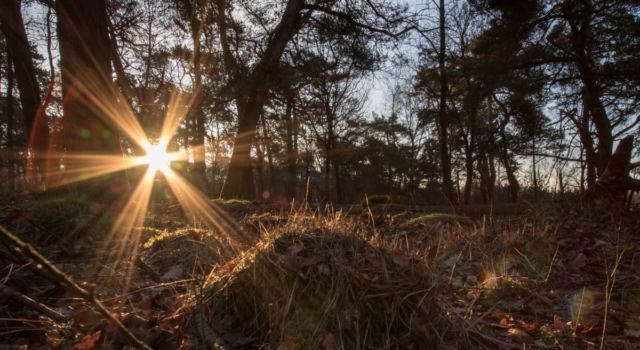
x,y
252,97
614,183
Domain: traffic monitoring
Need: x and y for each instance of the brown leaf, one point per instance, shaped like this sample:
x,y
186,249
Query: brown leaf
x,y
519,334
530,328
146,303
504,322
88,342
557,323
497,315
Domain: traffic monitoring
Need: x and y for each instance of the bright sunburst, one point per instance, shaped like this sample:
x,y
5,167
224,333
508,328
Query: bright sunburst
x,y
158,158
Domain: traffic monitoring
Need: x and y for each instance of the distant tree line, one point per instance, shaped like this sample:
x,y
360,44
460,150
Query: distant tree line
x,y
502,96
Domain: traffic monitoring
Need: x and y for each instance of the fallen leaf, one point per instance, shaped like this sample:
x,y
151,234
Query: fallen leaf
x,y
88,342
497,315
519,334
530,328
146,303
557,323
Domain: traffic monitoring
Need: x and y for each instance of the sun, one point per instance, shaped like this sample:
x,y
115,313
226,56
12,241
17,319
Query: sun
x,y
158,158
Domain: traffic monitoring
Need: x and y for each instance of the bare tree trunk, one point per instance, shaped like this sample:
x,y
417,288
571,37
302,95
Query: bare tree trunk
x,y
468,184
533,166
36,129
492,177
292,177
11,164
269,153
514,186
445,160
195,112
260,170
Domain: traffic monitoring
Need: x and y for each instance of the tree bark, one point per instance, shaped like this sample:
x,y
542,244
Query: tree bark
x,y
445,160
37,129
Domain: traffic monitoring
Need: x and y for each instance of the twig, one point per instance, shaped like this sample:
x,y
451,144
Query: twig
x,y
26,301
148,270
611,281
54,274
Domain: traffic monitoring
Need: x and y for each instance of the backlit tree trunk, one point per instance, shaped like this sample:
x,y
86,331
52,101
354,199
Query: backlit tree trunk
x,y
87,85
443,133
292,177
37,129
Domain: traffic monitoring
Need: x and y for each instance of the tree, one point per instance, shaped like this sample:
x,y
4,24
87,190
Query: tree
x,y
88,90
37,129
251,84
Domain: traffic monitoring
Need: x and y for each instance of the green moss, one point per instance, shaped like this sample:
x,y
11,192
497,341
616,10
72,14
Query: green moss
x,y
439,218
233,203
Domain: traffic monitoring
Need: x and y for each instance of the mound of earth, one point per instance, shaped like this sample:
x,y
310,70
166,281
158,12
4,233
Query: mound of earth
x,y
321,290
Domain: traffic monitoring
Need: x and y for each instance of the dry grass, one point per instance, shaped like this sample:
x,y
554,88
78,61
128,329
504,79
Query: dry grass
x,y
331,279
313,285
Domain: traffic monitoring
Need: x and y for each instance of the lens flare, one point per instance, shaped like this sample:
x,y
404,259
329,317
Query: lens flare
x,y
158,158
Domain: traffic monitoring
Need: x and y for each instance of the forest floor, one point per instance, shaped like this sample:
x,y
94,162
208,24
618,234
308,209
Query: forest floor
x,y
378,276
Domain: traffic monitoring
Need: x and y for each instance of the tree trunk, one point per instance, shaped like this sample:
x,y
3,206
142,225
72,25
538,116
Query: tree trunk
x,y
292,177
587,144
36,129
88,91
468,184
514,186
580,21
252,95
195,112
11,163
445,160
613,184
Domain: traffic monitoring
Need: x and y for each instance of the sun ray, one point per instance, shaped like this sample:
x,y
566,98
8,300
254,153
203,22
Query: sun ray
x,y
125,231
81,167
200,210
